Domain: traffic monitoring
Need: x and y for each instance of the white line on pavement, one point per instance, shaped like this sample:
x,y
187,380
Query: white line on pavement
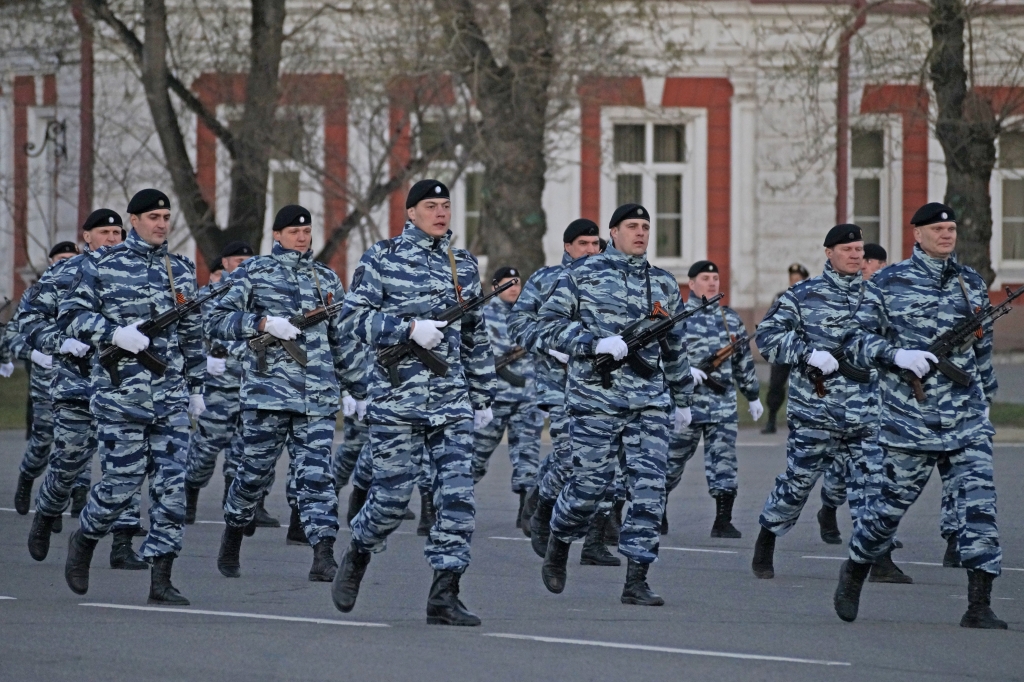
x,y
235,614
3,598
498,537
212,523
695,549
912,563
664,649
827,558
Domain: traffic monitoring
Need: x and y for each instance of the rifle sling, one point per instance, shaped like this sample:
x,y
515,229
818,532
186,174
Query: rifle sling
x,y
455,274
170,280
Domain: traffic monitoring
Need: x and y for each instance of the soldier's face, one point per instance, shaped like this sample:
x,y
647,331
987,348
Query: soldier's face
x,y
583,246
433,216
98,237
795,277
215,276
152,226
938,240
59,257
295,238
510,295
846,259
631,236
231,263
870,267
705,284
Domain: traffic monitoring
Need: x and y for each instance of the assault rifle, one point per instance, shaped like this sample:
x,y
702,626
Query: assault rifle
x,y
958,338
390,356
712,362
637,337
111,355
260,344
861,376
502,363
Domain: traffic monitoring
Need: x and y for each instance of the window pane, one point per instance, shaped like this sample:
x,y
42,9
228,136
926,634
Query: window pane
x,y
628,189
286,189
670,194
630,144
669,242
867,148
867,204
1011,150
669,144
474,202
1013,219
669,220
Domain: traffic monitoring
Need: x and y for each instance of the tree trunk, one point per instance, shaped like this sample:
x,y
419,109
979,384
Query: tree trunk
x,y
966,128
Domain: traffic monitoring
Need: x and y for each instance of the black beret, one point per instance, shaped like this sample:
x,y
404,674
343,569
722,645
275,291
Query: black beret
x,y
101,217
875,252
629,211
63,247
932,213
426,189
843,234
580,227
290,215
236,249
502,273
701,266
602,243
148,200
796,268
216,265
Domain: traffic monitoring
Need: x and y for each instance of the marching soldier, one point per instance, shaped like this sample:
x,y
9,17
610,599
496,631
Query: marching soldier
x,y
922,298
142,422
715,418
398,289
780,373
875,259
584,317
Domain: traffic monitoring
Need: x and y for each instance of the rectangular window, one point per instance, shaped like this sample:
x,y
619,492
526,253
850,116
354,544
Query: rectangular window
x,y
628,188
669,144
867,148
285,189
1013,219
474,204
630,144
669,216
867,207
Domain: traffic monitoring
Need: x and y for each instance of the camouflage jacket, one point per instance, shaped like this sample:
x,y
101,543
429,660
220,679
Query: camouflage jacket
x,y
20,346
233,351
706,333
600,296
128,283
496,315
824,313
284,284
921,299
409,277
550,374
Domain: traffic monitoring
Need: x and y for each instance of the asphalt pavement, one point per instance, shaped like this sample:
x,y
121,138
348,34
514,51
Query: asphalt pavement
x,y
719,622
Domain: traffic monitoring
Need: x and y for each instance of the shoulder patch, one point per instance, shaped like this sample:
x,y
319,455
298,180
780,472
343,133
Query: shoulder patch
x,y
33,292
76,281
357,276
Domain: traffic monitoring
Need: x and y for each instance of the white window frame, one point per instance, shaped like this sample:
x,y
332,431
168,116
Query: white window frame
x,y
890,175
1006,270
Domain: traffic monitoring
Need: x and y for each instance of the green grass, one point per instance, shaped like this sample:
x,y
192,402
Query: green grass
x,y
1007,414
14,398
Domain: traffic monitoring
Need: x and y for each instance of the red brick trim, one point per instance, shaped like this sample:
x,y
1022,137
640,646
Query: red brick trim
x,y
24,97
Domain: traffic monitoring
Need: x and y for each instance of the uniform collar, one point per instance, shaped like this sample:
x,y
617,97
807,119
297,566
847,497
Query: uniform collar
x,y
144,248
288,256
849,283
693,300
415,235
566,258
941,269
630,262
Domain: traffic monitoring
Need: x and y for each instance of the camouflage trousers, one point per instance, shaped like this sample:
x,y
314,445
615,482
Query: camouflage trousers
x,y
398,452
218,430
594,442
903,477
809,453
74,444
40,438
130,451
356,434
524,424
719,456
362,477
308,438
555,470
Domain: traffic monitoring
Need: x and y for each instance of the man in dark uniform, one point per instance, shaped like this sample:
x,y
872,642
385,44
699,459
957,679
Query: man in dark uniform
x,y
780,373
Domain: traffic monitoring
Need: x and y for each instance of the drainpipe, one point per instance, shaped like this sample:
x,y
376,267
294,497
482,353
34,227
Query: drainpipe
x,y
843,110
86,114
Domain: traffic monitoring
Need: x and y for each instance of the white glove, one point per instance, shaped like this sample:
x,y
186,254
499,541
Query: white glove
x,y
482,418
987,410
6,369
426,333
196,405
698,376
613,346
681,419
561,357
360,410
130,339
42,359
756,409
216,366
823,361
74,347
348,405
281,328
915,360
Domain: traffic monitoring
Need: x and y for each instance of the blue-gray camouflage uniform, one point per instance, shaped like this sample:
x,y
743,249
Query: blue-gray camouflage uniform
x,y
405,278
355,431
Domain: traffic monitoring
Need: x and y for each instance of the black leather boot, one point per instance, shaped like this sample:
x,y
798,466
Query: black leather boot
x,y
769,427
23,494
263,519
722,527
409,515
552,572
122,556
664,522
764,555
39,536
355,502
951,558
519,512
58,524
161,591
979,599
611,531
191,502
228,560
428,515
828,527
847,597
79,498
540,527
594,551
443,604
295,536
529,508
345,587
76,567
324,566
636,591
885,571
228,480
139,532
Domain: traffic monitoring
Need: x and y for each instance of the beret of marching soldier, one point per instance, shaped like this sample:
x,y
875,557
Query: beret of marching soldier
x,y
875,252
100,218
843,234
237,248
581,227
502,273
797,269
602,243
426,189
63,247
148,200
701,266
292,215
216,265
628,211
932,213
